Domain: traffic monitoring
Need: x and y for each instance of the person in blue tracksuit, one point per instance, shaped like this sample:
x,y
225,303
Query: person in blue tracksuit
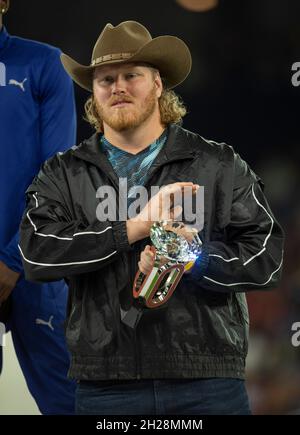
x,y
37,119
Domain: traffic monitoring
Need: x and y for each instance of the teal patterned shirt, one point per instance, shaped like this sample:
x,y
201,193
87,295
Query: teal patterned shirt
x,y
133,167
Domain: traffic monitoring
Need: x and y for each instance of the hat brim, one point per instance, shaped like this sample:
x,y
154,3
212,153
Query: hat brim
x,y
170,55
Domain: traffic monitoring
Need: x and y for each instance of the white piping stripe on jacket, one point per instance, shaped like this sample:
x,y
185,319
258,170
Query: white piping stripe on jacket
x,y
57,237
64,264
240,283
265,241
224,259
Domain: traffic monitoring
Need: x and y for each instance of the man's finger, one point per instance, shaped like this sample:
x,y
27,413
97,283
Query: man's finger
x,y
176,212
147,255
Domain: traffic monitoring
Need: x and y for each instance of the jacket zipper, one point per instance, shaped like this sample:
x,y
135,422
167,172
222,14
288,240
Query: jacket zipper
x,y
134,262
137,356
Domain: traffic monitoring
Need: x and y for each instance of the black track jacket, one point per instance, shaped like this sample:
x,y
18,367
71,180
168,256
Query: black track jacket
x,y
203,331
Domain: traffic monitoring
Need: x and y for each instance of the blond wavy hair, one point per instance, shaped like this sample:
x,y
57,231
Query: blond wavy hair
x,y
171,107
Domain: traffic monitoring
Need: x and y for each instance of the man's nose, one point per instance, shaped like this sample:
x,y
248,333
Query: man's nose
x,y
119,85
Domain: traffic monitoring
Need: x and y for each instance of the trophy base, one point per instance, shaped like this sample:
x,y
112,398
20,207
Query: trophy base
x,y
131,317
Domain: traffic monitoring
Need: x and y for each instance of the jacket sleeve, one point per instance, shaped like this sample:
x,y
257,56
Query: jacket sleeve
x,y
250,254
55,246
57,127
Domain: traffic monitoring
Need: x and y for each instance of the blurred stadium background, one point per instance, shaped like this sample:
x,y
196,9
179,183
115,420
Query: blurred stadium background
x,y
240,91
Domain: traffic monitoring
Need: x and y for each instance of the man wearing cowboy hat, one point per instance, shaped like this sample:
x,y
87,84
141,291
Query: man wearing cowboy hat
x,y
190,357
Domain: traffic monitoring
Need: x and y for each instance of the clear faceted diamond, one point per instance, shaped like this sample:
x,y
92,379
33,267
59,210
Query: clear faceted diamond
x,y
175,241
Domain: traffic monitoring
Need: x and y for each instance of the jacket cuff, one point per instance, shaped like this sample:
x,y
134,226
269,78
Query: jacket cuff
x,y
120,236
200,267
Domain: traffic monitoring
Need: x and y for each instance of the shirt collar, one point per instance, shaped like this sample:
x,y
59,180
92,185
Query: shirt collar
x,y
106,145
3,37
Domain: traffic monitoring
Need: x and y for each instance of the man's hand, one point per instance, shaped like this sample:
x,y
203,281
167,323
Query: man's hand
x,y
147,261
8,280
159,207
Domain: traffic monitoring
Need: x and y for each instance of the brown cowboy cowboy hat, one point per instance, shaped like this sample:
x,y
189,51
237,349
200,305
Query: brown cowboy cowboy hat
x,y
130,41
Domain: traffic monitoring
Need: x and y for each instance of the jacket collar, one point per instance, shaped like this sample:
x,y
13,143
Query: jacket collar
x,y
177,147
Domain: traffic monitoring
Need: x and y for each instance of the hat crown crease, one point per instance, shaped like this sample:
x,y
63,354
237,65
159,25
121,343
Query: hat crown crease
x,y
127,37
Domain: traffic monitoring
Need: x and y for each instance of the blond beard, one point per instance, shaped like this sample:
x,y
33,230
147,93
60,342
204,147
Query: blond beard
x,y
123,119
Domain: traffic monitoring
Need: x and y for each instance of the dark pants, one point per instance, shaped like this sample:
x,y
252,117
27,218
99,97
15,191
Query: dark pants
x,y
163,397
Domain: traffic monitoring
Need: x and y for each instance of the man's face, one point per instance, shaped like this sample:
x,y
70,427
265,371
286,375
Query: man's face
x,y
4,5
126,95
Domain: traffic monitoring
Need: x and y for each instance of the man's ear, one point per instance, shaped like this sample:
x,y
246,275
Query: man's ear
x,y
158,84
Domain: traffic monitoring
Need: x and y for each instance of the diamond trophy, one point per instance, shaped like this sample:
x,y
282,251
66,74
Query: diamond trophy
x,y
176,247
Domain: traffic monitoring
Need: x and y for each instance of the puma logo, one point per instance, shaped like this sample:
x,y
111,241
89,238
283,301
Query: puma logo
x,y
16,83
43,322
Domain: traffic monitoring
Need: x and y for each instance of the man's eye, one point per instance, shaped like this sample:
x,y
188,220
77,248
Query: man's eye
x,y
106,80
131,75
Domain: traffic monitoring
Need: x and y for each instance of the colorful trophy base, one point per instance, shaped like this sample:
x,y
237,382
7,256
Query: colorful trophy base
x,y
176,246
